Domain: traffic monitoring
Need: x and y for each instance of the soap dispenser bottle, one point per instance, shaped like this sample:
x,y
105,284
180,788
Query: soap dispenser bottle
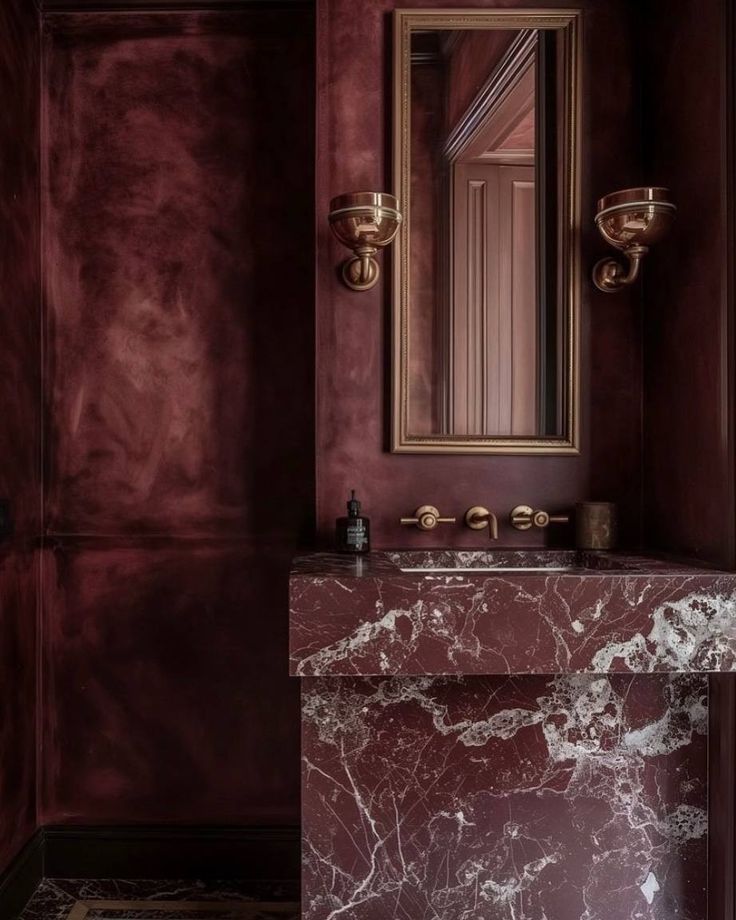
x,y
353,533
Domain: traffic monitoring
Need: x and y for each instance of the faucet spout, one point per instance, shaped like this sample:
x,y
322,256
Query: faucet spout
x,y
479,517
493,525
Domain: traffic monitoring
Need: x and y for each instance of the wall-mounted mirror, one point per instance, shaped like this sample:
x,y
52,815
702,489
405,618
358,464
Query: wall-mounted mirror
x,y
486,273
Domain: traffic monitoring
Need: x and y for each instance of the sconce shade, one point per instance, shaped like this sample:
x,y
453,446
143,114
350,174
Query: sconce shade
x,y
630,220
364,222
635,216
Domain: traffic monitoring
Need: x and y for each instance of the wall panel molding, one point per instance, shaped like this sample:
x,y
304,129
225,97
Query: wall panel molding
x,y
167,6
155,181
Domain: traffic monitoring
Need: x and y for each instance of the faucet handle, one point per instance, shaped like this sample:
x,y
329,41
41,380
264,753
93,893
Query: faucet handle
x,y
524,517
426,517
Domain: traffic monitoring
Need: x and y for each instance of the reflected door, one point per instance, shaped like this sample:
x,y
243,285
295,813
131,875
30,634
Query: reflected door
x,y
493,336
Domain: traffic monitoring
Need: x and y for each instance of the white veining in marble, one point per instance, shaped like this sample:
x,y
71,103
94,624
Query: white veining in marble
x,y
448,804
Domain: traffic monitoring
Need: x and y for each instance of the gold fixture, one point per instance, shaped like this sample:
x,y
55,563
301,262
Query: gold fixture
x,y
524,517
479,517
565,25
596,525
630,220
427,517
364,222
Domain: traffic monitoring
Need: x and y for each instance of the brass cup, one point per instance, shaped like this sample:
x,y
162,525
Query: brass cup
x,y
364,222
596,525
630,220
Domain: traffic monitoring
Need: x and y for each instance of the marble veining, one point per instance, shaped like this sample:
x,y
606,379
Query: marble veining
x,y
496,745
492,798
613,614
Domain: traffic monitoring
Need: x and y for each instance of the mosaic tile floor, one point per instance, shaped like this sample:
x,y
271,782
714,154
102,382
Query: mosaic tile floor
x,y
112,899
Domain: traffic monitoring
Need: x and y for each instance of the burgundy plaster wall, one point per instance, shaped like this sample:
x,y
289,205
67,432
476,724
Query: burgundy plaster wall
x,y
353,411
18,671
19,264
179,284
165,685
20,402
688,464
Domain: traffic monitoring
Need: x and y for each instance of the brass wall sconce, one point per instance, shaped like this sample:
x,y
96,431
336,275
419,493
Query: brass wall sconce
x,y
364,222
630,220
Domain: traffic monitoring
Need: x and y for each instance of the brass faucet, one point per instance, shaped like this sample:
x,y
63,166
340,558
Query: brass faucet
x,y
427,517
524,517
479,517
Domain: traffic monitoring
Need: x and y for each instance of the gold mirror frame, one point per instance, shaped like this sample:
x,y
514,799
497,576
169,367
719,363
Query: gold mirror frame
x,y
568,23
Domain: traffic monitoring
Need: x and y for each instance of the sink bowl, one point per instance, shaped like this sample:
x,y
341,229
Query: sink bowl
x,y
503,561
496,569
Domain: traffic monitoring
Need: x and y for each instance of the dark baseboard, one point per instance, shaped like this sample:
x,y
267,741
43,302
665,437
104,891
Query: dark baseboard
x,y
172,852
207,853
21,878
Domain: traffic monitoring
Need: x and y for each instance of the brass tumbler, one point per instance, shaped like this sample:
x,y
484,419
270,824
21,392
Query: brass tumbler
x,y
596,525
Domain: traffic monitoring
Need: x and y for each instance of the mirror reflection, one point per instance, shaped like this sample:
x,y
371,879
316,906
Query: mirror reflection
x,y
487,348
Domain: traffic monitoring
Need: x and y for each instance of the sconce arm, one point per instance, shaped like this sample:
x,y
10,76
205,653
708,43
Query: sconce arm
x,y
609,275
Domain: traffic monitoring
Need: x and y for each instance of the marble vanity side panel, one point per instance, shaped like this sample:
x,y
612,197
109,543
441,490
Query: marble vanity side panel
x,y
552,624
505,799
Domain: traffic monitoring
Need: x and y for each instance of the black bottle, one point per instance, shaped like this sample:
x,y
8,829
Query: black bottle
x,y
353,533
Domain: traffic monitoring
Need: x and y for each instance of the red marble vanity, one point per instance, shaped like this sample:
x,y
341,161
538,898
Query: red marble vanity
x,y
506,734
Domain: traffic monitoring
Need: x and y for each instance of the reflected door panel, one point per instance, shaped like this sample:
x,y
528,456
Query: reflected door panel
x,y
475,345
494,337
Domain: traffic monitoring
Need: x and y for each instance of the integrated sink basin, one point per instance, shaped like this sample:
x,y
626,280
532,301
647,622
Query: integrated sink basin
x,y
506,611
512,560
496,570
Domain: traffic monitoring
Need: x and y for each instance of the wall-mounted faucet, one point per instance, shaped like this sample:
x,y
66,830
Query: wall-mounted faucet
x,y
479,517
427,517
524,517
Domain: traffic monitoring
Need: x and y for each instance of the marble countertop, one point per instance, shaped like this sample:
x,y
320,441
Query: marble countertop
x,y
391,562
589,613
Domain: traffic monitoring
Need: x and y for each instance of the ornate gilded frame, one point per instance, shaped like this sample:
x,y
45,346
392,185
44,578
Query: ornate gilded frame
x,y
568,22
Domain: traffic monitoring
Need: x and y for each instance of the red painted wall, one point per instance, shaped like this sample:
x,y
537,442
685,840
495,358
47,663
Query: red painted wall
x,y
353,411
179,377
178,169
20,402
688,319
